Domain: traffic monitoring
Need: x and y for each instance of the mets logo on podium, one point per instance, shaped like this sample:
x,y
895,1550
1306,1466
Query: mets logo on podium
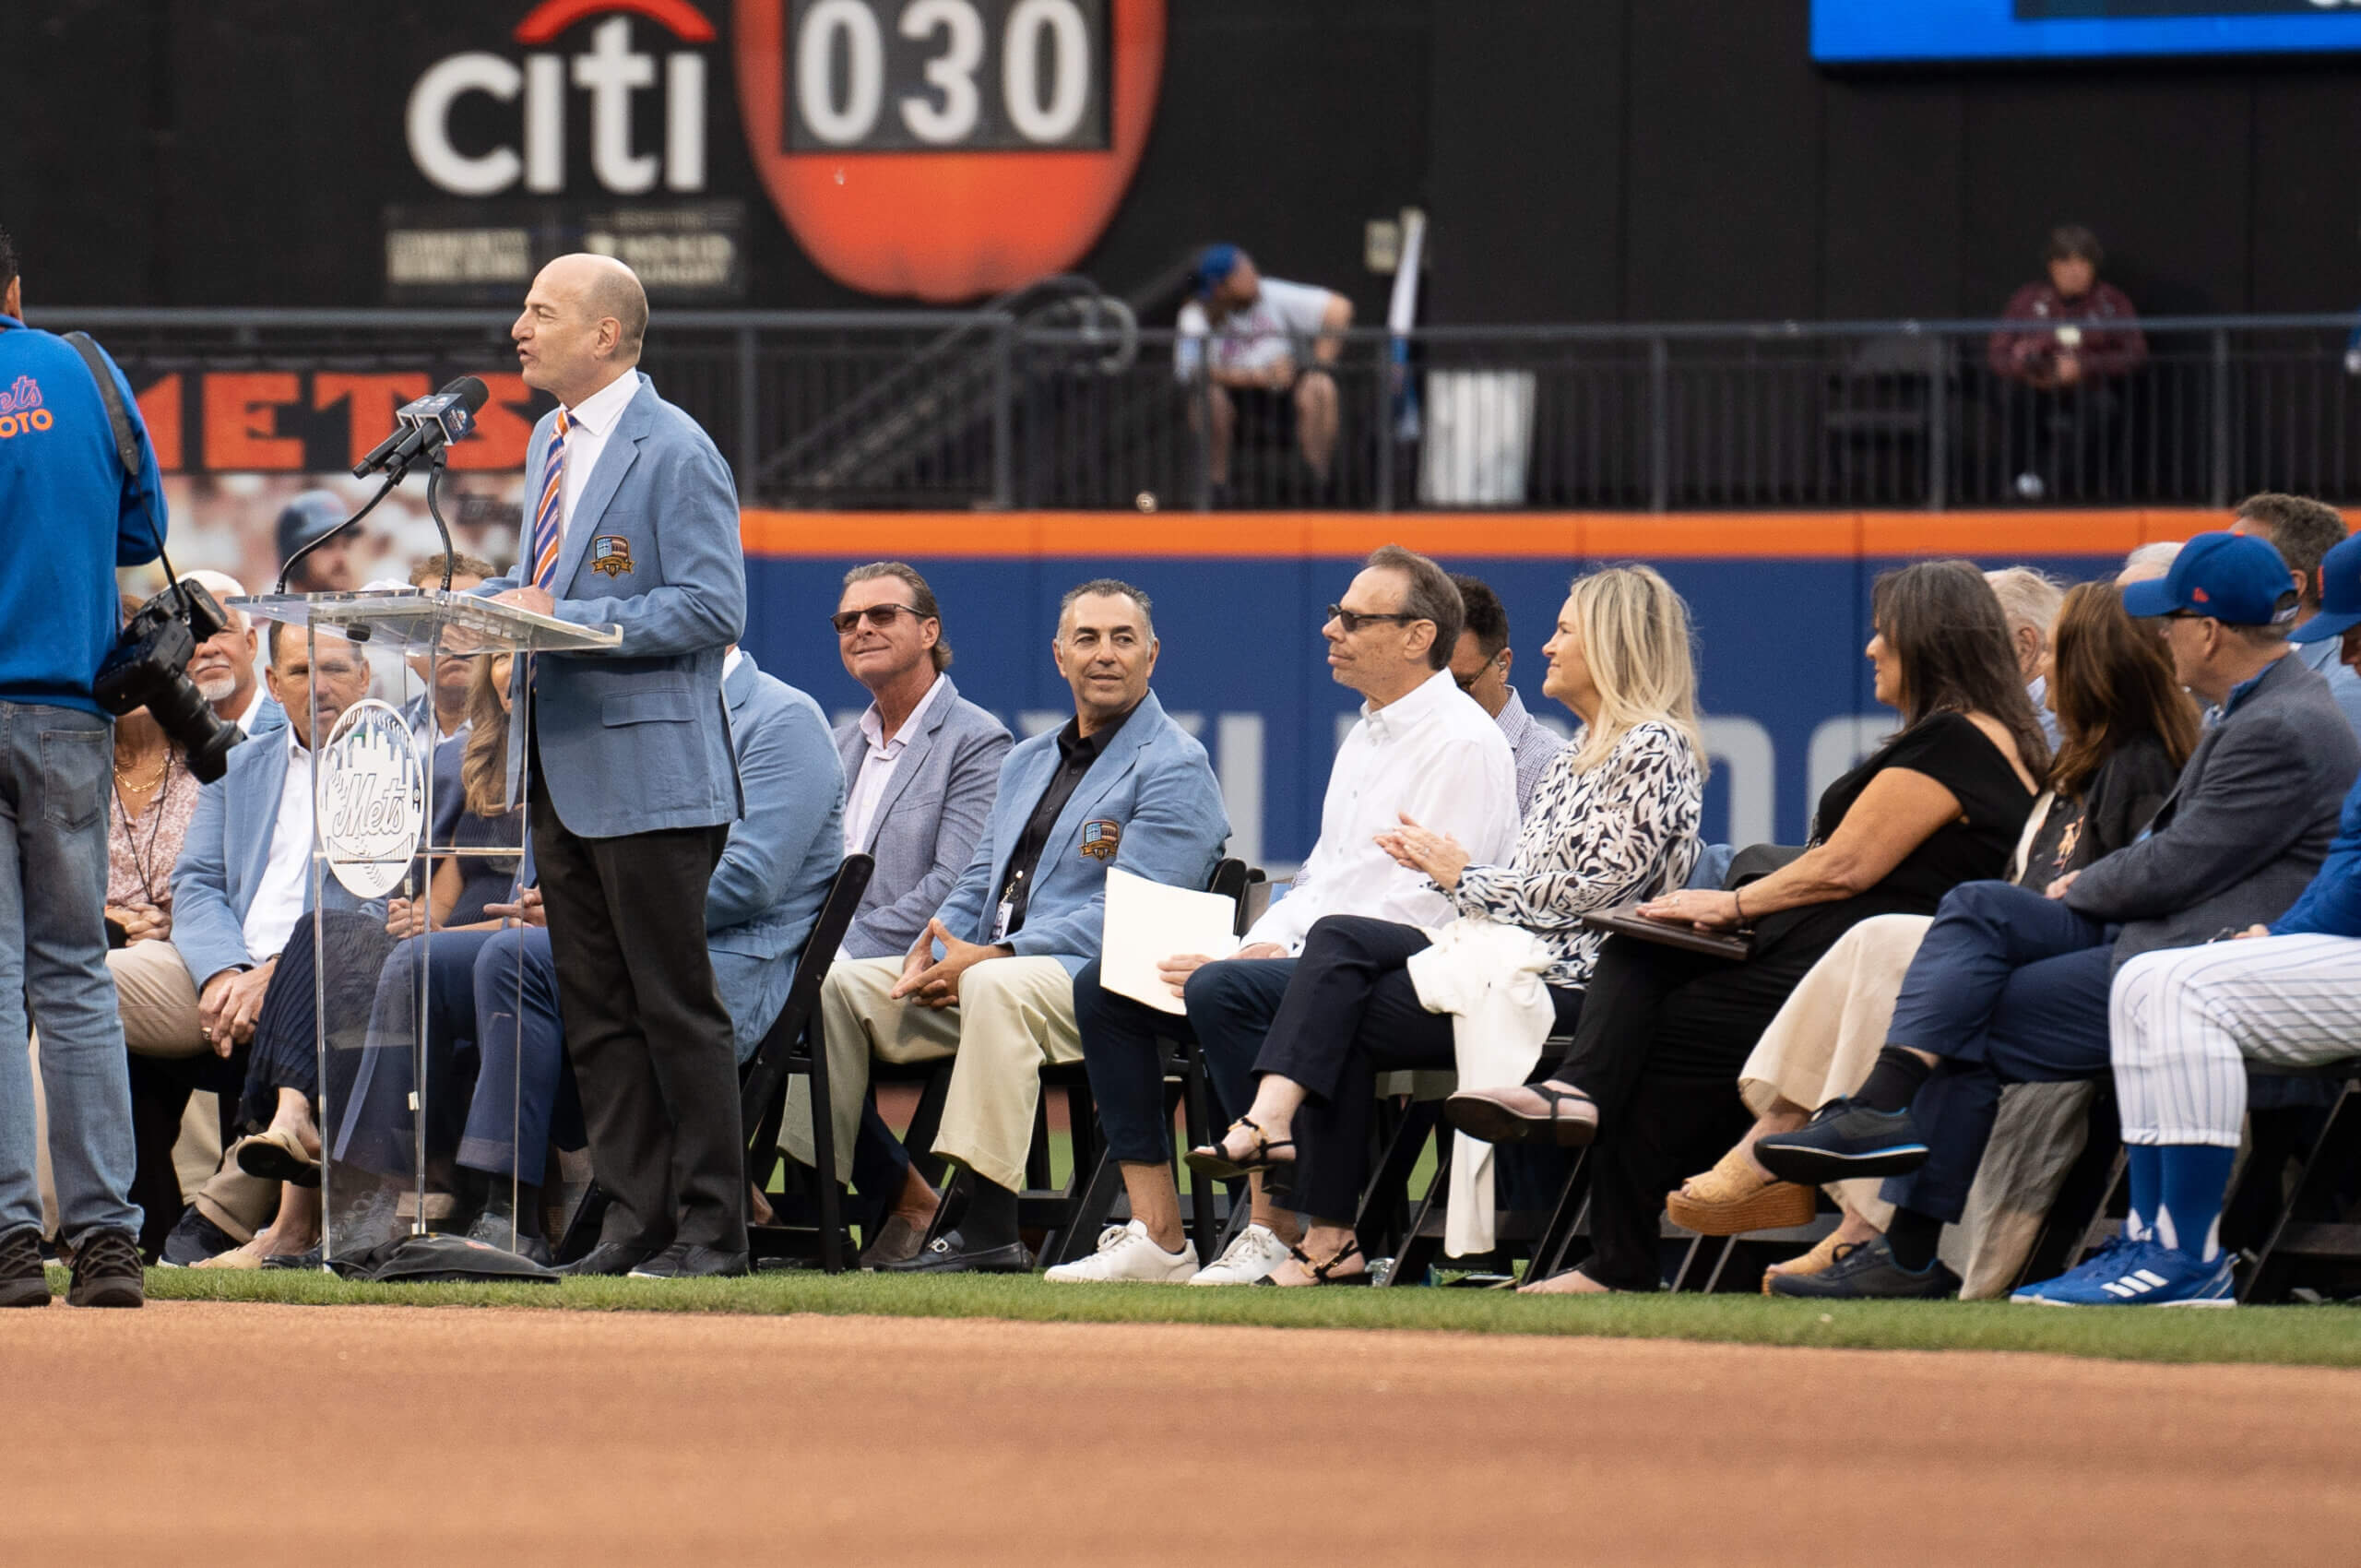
x,y
948,149
372,799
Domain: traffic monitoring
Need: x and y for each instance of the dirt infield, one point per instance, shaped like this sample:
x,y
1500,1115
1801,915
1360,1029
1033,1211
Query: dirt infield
x,y
216,1435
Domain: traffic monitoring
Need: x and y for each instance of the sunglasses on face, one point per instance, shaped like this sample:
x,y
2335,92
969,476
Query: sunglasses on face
x,y
1468,683
880,616
1354,620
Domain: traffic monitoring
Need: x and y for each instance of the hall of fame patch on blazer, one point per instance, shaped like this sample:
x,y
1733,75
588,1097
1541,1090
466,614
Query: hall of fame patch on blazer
x,y
1100,837
610,554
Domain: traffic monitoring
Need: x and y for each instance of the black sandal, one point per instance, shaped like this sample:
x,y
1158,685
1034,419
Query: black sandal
x,y
1211,1161
1488,1121
1325,1273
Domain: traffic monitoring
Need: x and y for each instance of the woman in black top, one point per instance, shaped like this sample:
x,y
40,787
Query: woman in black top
x,y
2127,729
1652,1069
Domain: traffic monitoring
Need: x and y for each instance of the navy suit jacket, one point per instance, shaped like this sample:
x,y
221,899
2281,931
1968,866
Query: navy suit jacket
x,y
1152,793
636,739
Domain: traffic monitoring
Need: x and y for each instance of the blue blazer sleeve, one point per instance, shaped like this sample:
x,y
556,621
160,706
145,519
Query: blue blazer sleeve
x,y
206,930
962,913
971,787
701,601
795,791
1174,836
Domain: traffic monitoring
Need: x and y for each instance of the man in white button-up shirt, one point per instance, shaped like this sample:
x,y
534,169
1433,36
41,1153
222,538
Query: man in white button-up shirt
x,y
1423,751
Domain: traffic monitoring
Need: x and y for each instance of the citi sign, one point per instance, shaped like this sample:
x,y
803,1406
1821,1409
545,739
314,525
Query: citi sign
x,y
611,73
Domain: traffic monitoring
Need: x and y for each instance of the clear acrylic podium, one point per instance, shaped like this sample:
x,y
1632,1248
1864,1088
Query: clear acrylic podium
x,y
432,1082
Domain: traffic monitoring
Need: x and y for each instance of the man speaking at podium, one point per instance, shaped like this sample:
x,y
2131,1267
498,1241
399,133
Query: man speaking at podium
x,y
632,520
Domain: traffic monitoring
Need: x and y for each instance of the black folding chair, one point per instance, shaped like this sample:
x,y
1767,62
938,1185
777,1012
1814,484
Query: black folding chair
x,y
2316,1241
794,1044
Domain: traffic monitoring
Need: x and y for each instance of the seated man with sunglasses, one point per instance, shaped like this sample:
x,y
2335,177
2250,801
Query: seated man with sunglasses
x,y
922,768
1422,751
1480,663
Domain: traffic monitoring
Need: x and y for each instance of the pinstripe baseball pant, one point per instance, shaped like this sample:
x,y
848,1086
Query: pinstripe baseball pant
x,y
2185,1023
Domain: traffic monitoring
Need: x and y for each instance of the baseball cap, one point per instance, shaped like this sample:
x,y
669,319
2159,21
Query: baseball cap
x,y
1214,264
306,517
2235,578
2340,586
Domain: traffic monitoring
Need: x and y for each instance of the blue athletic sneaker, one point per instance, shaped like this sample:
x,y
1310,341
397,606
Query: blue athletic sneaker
x,y
2138,1274
1846,1139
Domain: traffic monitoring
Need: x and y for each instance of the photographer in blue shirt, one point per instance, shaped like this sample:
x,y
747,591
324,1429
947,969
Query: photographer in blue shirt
x,y
70,513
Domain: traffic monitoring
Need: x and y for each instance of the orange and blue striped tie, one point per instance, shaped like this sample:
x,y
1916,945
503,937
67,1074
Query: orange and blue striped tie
x,y
547,534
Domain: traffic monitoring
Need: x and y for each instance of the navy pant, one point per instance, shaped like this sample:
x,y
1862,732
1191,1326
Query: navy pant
x,y
377,1123
525,1092
287,1043
1230,1005
2008,987
1349,1013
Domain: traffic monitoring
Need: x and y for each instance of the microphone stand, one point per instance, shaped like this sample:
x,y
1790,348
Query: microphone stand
x,y
434,510
382,491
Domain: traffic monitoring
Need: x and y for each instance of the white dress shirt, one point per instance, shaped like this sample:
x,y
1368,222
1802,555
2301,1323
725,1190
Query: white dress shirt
x,y
246,720
587,428
279,900
877,770
1434,755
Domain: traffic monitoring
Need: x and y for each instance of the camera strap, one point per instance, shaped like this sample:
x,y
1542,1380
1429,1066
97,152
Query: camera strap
x,y
127,439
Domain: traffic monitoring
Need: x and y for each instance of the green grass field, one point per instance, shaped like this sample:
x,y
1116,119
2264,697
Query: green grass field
x,y
2320,1335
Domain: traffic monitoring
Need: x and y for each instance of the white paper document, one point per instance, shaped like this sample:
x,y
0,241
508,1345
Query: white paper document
x,y
1148,922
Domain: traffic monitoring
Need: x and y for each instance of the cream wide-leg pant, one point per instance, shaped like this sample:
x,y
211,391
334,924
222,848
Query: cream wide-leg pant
x,y
1013,1017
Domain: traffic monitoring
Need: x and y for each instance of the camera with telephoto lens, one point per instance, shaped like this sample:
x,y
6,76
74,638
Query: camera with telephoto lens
x,y
148,667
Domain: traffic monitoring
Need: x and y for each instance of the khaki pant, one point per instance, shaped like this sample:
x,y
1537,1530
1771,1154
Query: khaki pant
x,y
1015,1014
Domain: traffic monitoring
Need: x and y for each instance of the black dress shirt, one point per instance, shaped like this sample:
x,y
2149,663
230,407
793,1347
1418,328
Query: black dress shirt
x,y
1076,753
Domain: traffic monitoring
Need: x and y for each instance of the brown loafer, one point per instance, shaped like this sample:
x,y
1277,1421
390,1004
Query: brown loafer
x,y
1524,1114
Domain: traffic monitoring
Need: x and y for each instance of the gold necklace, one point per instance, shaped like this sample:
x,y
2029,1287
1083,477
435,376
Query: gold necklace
x,y
123,775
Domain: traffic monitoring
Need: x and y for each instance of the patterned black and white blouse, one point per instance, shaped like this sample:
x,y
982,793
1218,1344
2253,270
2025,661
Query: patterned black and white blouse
x,y
1623,831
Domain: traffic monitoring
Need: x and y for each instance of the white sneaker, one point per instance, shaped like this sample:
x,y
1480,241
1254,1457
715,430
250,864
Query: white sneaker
x,y
1255,1252
1127,1254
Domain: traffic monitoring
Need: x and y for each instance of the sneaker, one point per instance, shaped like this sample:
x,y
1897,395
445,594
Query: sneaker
x,y
1868,1272
1846,1139
23,1282
2138,1274
194,1238
1127,1254
1255,1252
107,1271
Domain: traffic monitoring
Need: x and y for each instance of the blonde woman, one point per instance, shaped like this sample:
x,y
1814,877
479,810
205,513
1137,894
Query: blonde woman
x,y
1613,820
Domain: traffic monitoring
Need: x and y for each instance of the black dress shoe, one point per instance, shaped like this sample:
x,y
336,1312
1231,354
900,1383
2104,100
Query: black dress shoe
x,y
950,1254
683,1260
610,1260
193,1238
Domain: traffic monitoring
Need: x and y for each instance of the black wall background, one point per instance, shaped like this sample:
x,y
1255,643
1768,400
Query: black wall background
x,y
1605,160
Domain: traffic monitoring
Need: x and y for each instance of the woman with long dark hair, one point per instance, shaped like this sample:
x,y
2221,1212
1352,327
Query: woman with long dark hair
x,y
2126,729
1662,1032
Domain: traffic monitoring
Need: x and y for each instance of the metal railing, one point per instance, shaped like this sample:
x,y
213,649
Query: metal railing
x,y
1069,409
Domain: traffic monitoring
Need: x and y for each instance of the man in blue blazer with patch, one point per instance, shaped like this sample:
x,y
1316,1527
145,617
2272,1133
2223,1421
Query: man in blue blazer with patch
x,y
990,979
633,523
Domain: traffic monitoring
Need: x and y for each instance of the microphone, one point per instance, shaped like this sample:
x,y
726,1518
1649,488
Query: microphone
x,y
426,424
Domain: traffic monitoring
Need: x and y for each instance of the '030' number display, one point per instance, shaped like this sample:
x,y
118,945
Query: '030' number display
x,y
902,75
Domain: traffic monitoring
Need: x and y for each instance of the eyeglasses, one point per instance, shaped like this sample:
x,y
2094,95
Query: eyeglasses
x,y
1354,620
1468,683
878,616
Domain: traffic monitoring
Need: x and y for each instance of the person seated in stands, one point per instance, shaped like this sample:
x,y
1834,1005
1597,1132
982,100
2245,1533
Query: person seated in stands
x,y
1655,1057
989,981
222,668
330,568
1480,663
447,699
2010,986
1615,821
2304,532
2128,728
1265,349
2081,334
494,986
1422,755
921,771
2030,601
243,921
2184,1023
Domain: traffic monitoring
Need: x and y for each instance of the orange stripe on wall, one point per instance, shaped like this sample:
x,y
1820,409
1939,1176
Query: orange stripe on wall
x,y
1764,536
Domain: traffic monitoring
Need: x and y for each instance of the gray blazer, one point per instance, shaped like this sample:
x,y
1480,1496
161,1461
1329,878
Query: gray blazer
x,y
928,823
2242,832
637,740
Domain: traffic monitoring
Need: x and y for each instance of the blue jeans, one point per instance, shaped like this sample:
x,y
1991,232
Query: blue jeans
x,y
53,778
2008,987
